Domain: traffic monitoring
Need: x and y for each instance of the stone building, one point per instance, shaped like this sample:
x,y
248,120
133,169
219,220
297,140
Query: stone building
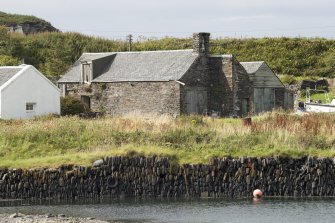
x,y
164,82
268,91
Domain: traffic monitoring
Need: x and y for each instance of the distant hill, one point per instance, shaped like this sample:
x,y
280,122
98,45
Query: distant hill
x,y
54,52
26,24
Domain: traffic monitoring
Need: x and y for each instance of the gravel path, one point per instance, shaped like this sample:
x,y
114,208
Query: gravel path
x,y
20,218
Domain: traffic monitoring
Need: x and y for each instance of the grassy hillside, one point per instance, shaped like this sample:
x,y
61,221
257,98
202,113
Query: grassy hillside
x,y
51,141
53,53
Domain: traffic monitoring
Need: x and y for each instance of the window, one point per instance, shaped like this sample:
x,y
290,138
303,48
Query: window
x,y
30,107
86,72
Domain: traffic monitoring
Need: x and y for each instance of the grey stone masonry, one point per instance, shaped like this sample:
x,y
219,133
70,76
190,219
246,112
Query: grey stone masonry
x,y
201,43
157,177
127,97
221,98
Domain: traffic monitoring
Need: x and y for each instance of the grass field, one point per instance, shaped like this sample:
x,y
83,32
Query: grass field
x,y
52,141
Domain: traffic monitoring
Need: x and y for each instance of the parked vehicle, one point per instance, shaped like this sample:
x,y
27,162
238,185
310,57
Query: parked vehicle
x,y
318,105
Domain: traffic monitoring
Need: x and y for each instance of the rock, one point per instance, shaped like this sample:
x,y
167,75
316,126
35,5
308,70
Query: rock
x,y
61,182
313,184
48,215
98,163
248,179
15,215
204,194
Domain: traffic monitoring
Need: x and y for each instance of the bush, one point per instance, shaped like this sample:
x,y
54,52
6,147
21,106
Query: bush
x,y
71,105
288,79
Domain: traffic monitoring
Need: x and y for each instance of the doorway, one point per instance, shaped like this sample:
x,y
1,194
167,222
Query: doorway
x,y
87,101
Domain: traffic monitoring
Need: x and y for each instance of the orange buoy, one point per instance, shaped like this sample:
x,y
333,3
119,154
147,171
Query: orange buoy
x,y
257,193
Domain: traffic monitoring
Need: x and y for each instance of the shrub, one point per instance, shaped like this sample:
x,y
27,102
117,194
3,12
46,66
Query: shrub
x,y
288,79
71,105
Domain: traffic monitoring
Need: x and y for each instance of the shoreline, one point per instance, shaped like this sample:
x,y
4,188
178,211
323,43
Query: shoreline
x,y
48,218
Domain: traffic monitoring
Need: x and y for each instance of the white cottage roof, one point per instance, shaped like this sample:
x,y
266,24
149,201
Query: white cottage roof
x,y
9,73
6,73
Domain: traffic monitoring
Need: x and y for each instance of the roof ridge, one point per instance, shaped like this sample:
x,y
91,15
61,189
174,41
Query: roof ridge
x,y
260,61
152,51
12,67
98,53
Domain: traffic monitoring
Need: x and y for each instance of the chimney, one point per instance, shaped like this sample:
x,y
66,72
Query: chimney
x,y
201,43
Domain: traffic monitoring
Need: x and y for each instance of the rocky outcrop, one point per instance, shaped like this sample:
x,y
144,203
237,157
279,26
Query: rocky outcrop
x,y
25,24
157,177
321,84
29,28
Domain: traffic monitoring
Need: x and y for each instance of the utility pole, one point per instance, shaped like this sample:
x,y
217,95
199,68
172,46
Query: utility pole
x,y
130,41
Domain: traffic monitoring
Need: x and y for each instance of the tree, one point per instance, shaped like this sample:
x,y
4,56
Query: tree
x,y
71,105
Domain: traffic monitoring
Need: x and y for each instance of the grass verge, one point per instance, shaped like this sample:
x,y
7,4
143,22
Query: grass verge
x,y
52,141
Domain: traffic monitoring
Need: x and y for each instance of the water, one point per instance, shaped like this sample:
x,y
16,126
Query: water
x,y
274,210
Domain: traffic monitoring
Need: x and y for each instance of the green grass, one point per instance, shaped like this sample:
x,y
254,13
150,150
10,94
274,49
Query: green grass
x,y
321,96
52,141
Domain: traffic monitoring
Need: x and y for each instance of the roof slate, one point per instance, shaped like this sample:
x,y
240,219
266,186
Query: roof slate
x,y
7,73
73,74
252,67
139,66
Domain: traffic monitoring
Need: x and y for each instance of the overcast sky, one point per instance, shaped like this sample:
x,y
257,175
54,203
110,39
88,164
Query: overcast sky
x,y
114,19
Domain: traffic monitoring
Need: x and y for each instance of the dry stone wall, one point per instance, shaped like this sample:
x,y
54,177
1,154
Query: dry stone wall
x,y
157,177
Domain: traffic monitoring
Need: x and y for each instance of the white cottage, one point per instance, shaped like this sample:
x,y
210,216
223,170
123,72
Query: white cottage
x,y
25,93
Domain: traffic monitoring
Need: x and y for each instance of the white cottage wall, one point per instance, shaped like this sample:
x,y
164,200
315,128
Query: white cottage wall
x,y
29,86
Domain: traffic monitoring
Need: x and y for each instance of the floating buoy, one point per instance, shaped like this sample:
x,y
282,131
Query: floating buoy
x,y
257,193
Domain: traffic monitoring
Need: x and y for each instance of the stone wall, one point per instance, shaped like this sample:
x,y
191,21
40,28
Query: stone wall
x,y
243,88
331,82
221,95
295,89
143,97
126,97
196,78
239,86
157,177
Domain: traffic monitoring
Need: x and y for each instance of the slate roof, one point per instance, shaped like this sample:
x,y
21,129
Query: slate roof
x,y
7,73
139,66
252,67
73,74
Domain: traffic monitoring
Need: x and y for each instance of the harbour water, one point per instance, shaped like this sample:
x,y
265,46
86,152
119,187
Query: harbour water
x,y
181,210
